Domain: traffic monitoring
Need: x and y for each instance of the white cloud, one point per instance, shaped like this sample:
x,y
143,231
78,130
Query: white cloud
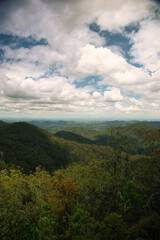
x,y
122,13
96,94
122,108
131,76
98,61
113,94
77,52
146,45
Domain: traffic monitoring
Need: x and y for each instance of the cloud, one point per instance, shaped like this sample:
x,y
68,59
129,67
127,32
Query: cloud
x,y
98,61
128,109
110,15
123,13
131,76
42,78
113,95
70,14
9,6
146,46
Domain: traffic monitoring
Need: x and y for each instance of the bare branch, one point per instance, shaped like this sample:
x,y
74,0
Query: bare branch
x,y
149,200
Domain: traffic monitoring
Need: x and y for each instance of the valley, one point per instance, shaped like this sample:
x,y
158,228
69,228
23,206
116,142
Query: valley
x,y
80,180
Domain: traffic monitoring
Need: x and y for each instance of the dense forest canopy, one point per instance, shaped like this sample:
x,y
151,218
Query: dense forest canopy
x,y
84,182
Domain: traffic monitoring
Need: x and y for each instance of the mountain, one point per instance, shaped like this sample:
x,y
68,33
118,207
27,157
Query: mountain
x,y
28,146
73,137
153,123
25,145
131,134
80,127
2,123
54,126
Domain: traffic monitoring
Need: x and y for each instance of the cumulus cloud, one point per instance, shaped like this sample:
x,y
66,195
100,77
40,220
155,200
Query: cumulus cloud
x,y
146,45
123,13
131,76
43,78
98,61
113,95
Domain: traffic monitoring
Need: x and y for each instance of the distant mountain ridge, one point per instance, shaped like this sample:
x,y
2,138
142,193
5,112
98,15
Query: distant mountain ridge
x,y
2,123
56,126
73,137
28,146
132,133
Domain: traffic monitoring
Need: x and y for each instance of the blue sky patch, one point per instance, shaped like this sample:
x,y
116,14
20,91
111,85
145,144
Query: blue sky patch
x,y
53,70
11,60
1,55
132,28
88,81
119,39
94,27
135,96
15,42
93,82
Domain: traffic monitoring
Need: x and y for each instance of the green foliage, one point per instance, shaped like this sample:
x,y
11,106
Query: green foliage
x,y
99,132
113,228
131,202
99,192
78,224
147,228
21,204
73,137
27,146
47,228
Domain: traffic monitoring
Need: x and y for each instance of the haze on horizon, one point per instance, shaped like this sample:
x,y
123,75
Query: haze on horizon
x,y
83,59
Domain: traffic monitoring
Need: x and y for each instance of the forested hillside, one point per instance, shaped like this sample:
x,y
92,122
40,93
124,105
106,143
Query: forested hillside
x,y
2,123
81,191
73,137
28,146
135,136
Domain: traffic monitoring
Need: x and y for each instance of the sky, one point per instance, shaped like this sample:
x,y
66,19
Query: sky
x,y
91,59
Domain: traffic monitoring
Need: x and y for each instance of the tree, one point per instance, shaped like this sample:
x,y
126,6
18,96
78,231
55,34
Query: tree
x,y
62,199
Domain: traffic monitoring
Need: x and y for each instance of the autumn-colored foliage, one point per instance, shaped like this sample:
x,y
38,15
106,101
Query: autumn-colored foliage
x,y
63,195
